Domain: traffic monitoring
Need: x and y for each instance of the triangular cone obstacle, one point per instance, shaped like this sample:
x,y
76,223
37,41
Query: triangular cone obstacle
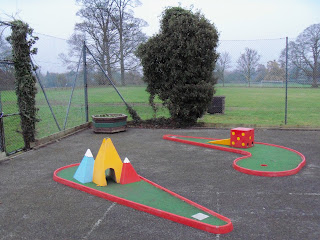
x,y
221,142
107,157
143,194
84,172
128,175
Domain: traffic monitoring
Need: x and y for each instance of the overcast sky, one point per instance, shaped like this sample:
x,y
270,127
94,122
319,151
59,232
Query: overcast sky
x,y
234,20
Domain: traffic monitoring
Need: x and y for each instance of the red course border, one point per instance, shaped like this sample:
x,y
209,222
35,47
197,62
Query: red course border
x,y
173,217
242,152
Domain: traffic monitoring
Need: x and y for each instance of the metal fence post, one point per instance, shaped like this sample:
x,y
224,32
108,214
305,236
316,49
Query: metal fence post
x,y
70,99
286,98
2,145
85,81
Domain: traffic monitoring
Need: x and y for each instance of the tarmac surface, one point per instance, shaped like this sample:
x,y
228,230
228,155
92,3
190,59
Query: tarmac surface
x,y
33,206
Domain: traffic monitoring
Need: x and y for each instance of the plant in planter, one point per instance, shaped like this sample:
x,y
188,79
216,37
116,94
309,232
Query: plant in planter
x,y
109,123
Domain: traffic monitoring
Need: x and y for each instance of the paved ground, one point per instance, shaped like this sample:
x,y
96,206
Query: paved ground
x,y
33,206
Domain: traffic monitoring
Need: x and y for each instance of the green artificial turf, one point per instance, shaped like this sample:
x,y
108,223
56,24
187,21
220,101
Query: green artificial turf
x,y
146,194
264,157
269,158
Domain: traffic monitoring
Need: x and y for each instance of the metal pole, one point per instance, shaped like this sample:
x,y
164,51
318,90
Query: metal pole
x,y
2,143
73,87
106,75
45,95
85,80
286,101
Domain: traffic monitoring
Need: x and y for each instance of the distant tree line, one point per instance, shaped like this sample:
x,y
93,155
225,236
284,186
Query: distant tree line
x,y
113,35
94,78
248,69
303,63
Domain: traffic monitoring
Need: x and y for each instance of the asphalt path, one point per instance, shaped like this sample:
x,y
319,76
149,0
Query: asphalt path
x,y
33,206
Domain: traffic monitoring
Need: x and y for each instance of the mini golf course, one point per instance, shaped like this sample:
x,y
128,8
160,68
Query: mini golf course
x,y
149,197
263,159
110,178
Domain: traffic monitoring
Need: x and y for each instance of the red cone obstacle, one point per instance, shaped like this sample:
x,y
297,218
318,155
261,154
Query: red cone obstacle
x,y
128,174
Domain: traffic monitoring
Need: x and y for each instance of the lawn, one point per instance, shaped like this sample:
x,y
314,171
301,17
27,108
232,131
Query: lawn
x,y
266,106
254,106
260,106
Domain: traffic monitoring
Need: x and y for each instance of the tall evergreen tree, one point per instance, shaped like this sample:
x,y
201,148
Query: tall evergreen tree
x,y
178,64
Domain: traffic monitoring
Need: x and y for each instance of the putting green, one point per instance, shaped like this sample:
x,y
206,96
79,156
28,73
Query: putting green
x,y
262,159
147,194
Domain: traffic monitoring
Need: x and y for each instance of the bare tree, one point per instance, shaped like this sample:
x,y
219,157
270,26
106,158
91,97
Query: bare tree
x,y
111,32
223,63
75,43
122,17
261,72
100,31
247,63
275,72
304,53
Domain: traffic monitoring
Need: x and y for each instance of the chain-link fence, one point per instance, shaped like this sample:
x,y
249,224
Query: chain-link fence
x,y
11,139
252,75
60,97
260,88
10,130
251,63
103,98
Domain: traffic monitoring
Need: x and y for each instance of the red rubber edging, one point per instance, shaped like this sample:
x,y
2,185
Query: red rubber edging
x,y
160,213
242,152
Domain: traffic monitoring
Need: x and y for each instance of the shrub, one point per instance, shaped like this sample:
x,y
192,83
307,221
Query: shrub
x,y
178,64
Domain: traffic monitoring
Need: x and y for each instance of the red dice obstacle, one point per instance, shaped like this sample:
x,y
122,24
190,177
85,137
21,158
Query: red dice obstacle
x,y
242,137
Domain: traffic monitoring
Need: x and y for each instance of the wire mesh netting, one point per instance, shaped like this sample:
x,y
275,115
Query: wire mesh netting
x,y
10,130
104,99
60,97
250,74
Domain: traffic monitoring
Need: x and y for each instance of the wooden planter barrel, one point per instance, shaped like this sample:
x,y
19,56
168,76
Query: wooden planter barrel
x,y
109,123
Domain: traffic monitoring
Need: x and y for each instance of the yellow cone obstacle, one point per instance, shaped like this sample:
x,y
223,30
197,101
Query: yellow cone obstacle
x,y
221,142
107,158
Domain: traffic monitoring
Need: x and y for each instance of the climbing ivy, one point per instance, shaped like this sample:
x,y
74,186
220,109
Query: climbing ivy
x,y
135,117
21,40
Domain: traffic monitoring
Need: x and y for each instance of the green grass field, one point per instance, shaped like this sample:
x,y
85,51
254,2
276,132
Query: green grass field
x,y
254,106
266,106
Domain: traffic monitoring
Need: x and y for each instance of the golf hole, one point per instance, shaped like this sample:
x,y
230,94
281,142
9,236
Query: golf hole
x,y
264,165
